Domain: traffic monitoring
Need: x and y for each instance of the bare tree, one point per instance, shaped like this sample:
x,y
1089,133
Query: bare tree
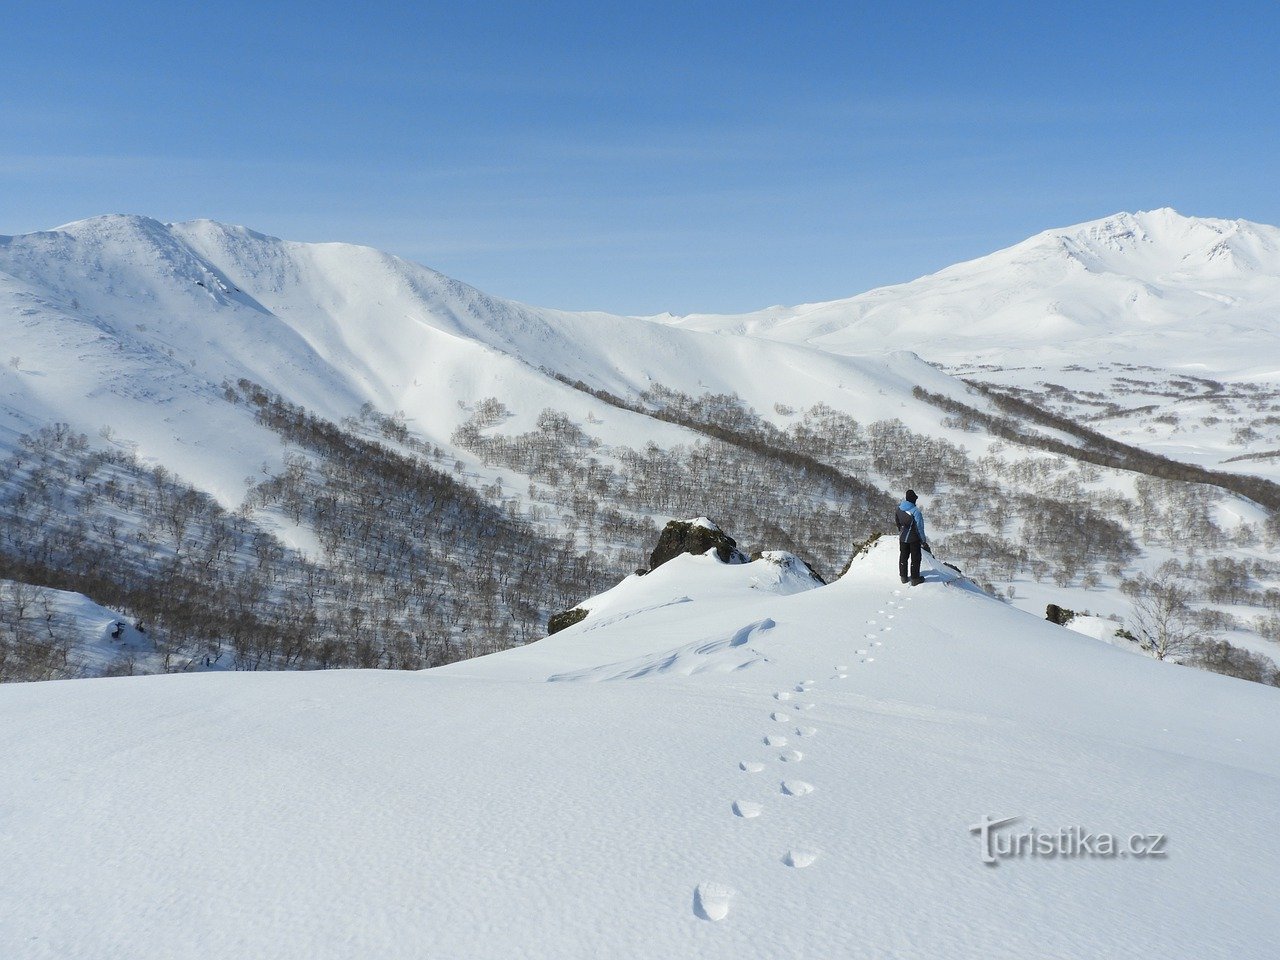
x,y
1162,619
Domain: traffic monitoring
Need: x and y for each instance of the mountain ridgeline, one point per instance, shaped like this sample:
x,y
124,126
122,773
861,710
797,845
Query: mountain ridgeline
x,y
273,455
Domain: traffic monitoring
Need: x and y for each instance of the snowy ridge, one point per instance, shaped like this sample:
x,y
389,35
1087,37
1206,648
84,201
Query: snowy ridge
x,y
1150,287
128,330
817,803
126,322
111,320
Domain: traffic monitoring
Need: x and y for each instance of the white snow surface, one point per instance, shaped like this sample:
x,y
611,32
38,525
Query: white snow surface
x,y
592,796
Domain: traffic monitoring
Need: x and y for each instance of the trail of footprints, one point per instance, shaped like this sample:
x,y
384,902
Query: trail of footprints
x,y
711,901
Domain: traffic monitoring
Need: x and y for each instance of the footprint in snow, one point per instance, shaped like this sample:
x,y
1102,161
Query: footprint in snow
x,y
868,659
779,716
841,676
887,629
791,756
806,731
871,622
711,900
782,695
746,809
805,706
750,766
800,858
841,666
773,740
869,636
796,788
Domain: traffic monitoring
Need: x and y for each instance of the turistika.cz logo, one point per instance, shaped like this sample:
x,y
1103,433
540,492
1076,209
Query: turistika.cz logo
x,y
1068,843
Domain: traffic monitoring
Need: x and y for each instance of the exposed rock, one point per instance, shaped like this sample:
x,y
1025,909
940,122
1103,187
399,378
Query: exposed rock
x,y
859,549
1059,615
696,537
566,618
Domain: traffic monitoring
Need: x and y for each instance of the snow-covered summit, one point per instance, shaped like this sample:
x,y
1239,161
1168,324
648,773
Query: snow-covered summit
x,y
1161,245
1152,286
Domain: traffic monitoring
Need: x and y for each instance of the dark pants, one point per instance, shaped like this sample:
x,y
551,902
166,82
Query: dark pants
x,y
912,551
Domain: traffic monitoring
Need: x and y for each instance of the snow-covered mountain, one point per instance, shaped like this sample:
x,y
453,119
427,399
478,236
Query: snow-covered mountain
x,y
1165,329
719,760
110,320
151,339
716,763
126,322
1153,287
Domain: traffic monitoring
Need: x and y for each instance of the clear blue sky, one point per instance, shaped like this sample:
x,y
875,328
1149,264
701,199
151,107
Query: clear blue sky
x,y
642,157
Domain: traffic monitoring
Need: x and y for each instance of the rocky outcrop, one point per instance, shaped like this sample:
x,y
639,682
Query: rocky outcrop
x,y
1059,615
696,537
858,550
700,536
566,618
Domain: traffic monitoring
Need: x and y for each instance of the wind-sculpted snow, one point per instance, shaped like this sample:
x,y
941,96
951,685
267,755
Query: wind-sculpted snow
x,y
722,654
344,813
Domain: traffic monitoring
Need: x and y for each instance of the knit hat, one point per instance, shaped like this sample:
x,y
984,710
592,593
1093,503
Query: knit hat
x,y
911,496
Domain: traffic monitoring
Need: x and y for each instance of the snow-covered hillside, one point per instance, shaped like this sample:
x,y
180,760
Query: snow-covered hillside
x,y
106,319
194,353
1162,328
1152,287
710,765
126,322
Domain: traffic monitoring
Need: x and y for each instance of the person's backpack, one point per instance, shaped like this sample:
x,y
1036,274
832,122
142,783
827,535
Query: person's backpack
x,y
905,522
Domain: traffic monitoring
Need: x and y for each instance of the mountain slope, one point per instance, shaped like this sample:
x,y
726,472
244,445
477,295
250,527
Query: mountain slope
x,y
271,375
481,811
1150,287
116,319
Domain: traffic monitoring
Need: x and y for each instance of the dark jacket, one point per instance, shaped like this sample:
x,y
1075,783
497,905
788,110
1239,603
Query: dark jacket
x,y
910,523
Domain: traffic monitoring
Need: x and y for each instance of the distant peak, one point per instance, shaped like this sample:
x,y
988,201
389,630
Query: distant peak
x,y
1151,224
113,222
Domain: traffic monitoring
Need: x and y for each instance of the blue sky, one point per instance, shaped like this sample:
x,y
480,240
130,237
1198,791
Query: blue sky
x,y
642,157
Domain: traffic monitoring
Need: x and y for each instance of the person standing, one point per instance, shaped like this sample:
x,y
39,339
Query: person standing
x,y
911,539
